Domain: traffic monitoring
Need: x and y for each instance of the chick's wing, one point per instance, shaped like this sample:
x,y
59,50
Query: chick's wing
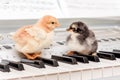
x,y
36,33
21,34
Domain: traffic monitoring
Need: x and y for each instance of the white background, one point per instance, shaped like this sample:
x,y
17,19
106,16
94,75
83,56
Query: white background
x,y
34,9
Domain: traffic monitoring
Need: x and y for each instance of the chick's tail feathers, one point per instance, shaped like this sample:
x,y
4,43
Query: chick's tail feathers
x,y
20,34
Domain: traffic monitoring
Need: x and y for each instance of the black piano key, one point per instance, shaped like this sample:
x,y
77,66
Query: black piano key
x,y
106,56
51,62
79,58
116,50
105,39
90,57
118,38
112,39
46,48
98,40
4,67
34,63
65,59
61,43
7,47
14,65
117,54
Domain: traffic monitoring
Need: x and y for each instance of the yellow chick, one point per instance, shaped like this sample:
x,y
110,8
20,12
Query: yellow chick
x,y
31,39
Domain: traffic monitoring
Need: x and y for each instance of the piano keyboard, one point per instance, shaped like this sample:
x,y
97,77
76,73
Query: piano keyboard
x,y
56,65
79,71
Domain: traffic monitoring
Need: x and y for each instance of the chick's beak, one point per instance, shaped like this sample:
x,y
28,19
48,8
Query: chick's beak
x,y
58,24
68,29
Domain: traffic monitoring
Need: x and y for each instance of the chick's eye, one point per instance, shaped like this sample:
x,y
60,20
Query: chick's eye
x,y
79,30
52,22
71,28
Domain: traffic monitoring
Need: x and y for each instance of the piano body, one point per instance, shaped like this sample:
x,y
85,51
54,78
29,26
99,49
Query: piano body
x,y
107,31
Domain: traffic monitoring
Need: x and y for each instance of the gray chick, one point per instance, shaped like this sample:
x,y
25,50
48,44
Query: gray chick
x,y
81,39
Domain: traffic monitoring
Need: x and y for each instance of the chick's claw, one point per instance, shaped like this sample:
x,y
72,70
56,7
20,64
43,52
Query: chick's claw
x,y
32,56
70,53
37,55
28,56
94,54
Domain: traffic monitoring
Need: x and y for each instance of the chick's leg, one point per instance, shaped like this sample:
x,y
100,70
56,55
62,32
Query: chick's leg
x,y
70,52
32,56
37,54
29,56
94,54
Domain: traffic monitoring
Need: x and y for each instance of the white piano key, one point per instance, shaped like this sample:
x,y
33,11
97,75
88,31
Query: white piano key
x,y
99,67
59,72
82,69
64,76
50,73
107,72
8,75
116,70
116,66
90,69
96,73
44,73
27,78
106,69
52,76
86,74
78,68
29,72
42,77
75,67
77,75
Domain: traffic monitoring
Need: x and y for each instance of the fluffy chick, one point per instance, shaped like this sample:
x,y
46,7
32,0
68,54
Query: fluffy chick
x,y
31,39
81,39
